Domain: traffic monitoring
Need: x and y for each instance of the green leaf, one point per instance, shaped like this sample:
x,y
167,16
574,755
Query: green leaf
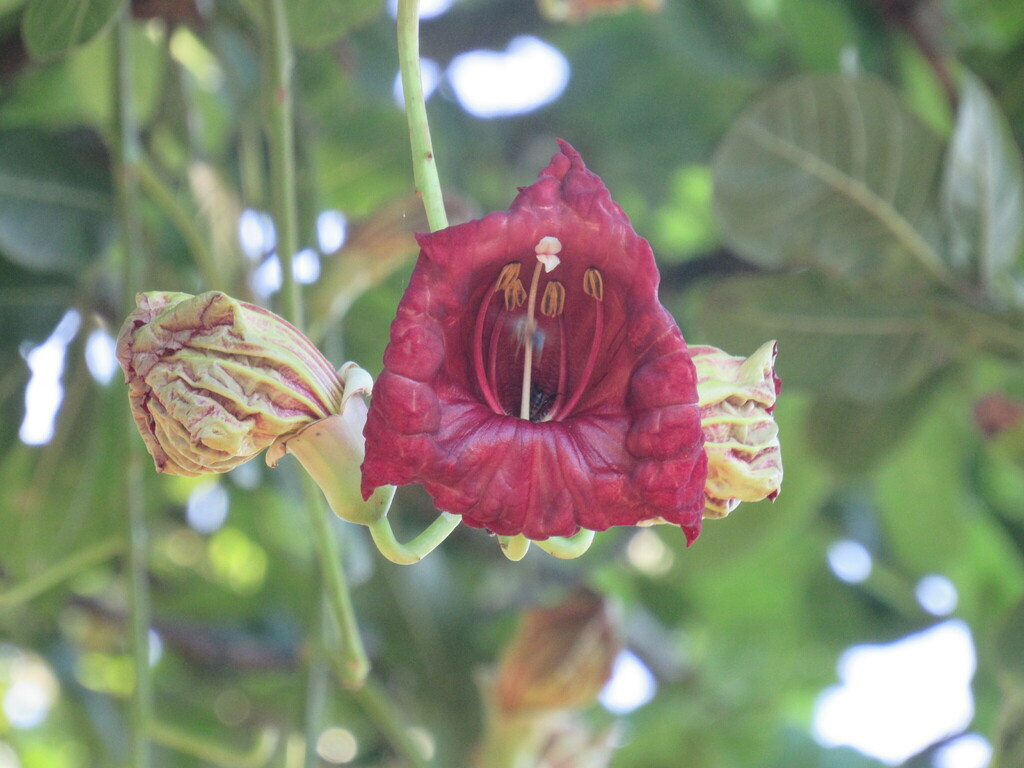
x,y
863,347
831,171
55,199
315,23
853,438
319,22
983,189
1010,646
922,493
51,28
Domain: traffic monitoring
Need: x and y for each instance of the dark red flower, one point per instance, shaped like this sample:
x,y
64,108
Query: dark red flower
x,y
533,383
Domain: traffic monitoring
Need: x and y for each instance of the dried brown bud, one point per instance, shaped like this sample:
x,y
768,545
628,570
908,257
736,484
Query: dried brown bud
x,y
560,658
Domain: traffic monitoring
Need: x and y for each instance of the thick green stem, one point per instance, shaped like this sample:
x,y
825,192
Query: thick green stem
x,y
35,585
138,598
281,140
424,165
568,548
126,159
354,665
421,546
514,547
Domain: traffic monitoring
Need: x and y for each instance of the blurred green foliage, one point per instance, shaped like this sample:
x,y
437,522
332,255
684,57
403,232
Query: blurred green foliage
x,y
844,176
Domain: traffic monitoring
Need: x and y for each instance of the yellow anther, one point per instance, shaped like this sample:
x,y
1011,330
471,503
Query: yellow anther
x,y
515,295
552,303
593,284
508,273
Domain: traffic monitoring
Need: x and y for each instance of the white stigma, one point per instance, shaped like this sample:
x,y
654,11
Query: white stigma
x,y
547,252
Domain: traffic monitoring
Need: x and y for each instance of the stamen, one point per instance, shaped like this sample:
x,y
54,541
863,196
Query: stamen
x,y
562,368
515,294
508,273
478,351
560,392
492,363
596,283
553,301
593,284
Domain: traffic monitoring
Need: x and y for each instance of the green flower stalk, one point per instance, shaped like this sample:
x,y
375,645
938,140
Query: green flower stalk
x,y
737,396
331,449
214,381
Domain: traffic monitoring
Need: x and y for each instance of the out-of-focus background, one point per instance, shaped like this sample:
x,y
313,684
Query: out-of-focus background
x,y
842,175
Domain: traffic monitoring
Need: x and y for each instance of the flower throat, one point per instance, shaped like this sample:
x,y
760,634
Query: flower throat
x,y
537,401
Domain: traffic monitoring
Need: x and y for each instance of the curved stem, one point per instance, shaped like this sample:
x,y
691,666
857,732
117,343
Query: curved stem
x,y
380,500
568,548
424,166
421,546
281,140
514,547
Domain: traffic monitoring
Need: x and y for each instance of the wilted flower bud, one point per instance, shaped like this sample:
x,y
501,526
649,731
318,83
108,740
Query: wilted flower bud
x,y
213,381
737,396
560,658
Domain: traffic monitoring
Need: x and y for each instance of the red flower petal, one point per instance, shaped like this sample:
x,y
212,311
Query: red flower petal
x,y
614,434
